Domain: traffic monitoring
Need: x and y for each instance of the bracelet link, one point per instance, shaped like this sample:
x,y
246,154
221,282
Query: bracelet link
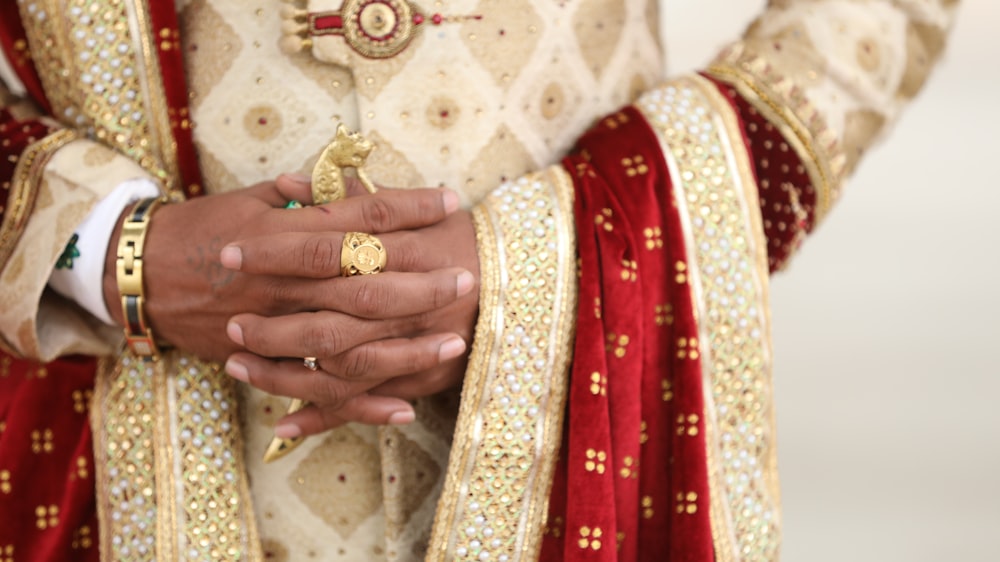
x,y
138,334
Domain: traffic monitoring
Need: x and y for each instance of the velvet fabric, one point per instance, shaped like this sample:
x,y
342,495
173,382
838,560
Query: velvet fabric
x,y
632,457
627,464
47,500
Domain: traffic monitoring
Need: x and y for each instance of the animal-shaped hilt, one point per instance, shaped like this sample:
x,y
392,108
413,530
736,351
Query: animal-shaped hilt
x,y
347,150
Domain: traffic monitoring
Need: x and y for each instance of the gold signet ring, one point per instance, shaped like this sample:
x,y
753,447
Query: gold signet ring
x,y
361,254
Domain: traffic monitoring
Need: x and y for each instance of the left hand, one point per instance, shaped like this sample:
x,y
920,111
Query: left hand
x,y
341,390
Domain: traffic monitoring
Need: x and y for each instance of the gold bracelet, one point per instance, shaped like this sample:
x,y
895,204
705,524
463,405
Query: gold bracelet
x,y
138,334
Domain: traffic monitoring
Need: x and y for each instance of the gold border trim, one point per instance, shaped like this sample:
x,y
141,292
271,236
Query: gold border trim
x,y
786,106
156,97
717,199
502,503
58,35
167,529
24,187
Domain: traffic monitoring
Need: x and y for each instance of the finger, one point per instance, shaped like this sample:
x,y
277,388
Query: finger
x,y
316,255
268,192
372,410
386,211
293,379
323,334
387,295
295,187
425,383
371,364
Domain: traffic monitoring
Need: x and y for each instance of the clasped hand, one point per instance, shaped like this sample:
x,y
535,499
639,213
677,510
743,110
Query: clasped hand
x,y
237,277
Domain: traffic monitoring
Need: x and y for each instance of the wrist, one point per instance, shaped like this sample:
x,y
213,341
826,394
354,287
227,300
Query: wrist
x,y
131,240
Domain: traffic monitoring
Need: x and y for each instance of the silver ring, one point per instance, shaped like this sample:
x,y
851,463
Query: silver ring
x,y
310,363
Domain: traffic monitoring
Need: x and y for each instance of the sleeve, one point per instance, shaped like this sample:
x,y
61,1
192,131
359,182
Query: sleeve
x,y
620,375
817,83
52,179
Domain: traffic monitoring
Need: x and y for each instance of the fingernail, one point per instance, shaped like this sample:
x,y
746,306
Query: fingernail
x,y
237,370
299,178
464,282
451,348
450,199
402,417
287,430
231,257
235,332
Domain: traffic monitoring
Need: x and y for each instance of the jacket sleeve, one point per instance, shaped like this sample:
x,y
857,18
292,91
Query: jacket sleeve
x,y
830,77
52,178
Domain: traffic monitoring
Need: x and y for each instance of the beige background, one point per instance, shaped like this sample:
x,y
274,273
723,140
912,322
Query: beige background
x,y
886,326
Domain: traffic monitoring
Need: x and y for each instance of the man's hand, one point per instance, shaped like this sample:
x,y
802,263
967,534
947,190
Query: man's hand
x,y
334,389
190,295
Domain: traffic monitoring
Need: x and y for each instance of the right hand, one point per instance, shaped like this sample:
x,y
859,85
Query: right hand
x,y
190,296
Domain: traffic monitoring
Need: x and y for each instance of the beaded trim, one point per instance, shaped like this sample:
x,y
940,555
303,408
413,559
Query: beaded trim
x,y
785,104
495,497
717,199
104,53
168,447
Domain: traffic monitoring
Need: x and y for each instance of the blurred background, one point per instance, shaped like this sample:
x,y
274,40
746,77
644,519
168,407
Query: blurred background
x,y
887,325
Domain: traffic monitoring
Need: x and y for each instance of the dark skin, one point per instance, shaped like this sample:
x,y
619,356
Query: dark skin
x,y
236,276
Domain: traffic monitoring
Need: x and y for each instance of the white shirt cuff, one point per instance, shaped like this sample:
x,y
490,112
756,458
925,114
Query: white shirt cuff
x,y
83,280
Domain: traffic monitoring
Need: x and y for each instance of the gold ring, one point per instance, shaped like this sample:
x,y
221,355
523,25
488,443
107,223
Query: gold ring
x,y
361,254
310,363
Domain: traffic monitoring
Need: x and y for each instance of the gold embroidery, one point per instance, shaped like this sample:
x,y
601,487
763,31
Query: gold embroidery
x,y
81,467
664,314
668,390
654,238
687,425
630,271
169,456
46,517
25,185
647,507
41,441
105,53
785,105
630,468
81,538
635,166
5,486
603,220
617,345
687,348
598,384
681,273
500,470
728,279
595,461
590,538
687,503
81,400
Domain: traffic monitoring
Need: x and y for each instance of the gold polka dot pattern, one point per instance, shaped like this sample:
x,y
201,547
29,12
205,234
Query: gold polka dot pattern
x,y
710,170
